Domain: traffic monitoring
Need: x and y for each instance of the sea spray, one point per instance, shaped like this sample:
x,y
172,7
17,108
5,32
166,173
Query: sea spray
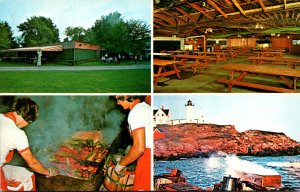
x,y
233,164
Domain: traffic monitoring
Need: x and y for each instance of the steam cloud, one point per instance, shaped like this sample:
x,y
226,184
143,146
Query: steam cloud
x,y
61,116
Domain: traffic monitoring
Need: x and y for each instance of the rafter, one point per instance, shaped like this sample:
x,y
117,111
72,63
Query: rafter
x,y
238,6
228,2
262,5
156,26
186,14
195,6
160,22
168,20
217,8
174,17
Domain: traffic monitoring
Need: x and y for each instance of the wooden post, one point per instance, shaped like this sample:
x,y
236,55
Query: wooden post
x,y
204,43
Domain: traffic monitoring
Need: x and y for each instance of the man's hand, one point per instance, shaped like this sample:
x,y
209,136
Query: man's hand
x,y
52,172
119,170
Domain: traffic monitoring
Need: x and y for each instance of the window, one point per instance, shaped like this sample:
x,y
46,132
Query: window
x,y
296,42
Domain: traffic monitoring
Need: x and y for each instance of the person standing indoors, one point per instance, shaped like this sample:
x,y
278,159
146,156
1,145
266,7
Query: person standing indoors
x,y
24,111
139,120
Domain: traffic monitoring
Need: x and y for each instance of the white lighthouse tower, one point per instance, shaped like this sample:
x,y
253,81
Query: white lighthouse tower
x,y
189,114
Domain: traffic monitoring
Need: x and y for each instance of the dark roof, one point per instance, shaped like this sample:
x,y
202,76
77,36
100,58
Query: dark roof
x,y
166,111
160,130
185,18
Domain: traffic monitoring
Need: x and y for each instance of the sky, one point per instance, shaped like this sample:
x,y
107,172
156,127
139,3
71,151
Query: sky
x,y
268,112
74,13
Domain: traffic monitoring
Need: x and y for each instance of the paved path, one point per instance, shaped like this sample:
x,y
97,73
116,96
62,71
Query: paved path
x,y
74,68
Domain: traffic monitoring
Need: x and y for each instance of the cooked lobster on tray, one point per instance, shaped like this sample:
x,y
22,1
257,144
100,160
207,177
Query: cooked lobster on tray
x,y
80,156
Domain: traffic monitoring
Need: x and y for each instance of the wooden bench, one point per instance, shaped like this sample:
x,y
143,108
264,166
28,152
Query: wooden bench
x,y
196,61
269,54
285,74
164,69
290,62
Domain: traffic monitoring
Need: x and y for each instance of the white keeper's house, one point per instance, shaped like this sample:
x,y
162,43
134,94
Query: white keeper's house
x,y
162,116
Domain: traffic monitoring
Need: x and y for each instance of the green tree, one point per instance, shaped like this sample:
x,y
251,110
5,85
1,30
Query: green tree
x,y
109,32
116,35
138,34
75,33
38,31
6,36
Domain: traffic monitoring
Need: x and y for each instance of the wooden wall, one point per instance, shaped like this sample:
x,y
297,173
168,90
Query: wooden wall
x,y
286,43
294,49
280,42
242,42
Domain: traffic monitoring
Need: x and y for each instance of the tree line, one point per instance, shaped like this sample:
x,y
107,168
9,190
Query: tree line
x,y
111,32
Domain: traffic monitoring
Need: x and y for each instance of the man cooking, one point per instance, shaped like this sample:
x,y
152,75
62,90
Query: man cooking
x,y
24,111
139,119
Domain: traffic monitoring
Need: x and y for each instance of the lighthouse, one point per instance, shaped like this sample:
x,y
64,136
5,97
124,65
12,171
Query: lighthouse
x,y
189,111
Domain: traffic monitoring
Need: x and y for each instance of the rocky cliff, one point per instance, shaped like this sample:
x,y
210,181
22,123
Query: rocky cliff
x,y
190,140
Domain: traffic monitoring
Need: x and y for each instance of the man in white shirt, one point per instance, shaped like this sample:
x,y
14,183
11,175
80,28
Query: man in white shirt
x,y
139,120
24,111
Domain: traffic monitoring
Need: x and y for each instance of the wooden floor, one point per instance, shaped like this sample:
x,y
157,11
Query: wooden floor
x,y
205,80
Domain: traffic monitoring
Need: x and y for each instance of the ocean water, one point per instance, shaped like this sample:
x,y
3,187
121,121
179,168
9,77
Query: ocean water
x,y
204,172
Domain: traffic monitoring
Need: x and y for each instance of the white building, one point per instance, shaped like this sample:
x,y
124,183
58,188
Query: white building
x,y
162,116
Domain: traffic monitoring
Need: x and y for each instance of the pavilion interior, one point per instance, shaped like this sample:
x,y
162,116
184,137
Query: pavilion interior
x,y
247,26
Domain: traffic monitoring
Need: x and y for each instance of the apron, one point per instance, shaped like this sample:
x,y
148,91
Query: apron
x,y
8,157
142,178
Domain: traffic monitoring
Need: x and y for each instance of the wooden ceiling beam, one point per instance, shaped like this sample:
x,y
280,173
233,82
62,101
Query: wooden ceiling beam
x,y
217,8
160,22
156,26
284,4
238,6
175,17
168,20
228,2
185,13
271,8
262,5
195,6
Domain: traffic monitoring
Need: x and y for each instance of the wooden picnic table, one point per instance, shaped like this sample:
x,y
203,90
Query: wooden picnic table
x,y
199,61
285,74
214,56
229,52
269,54
165,68
290,62
176,52
161,54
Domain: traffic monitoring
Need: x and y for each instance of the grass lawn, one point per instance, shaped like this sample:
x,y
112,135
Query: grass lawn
x,y
114,81
97,81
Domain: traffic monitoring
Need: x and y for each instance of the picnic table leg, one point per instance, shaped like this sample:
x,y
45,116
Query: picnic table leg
x,y
286,81
158,75
230,84
177,71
